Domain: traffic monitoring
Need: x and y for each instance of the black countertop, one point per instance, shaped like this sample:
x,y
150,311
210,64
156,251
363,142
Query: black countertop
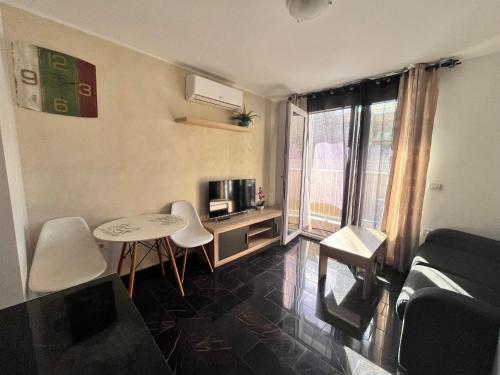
x,y
93,328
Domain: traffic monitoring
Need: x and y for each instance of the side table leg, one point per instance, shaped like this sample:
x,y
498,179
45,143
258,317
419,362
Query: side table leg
x,y
133,259
323,265
367,285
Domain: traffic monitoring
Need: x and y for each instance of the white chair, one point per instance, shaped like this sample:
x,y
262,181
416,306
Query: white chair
x,y
66,255
193,235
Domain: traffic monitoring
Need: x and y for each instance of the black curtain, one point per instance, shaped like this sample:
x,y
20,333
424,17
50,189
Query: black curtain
x,y
362,93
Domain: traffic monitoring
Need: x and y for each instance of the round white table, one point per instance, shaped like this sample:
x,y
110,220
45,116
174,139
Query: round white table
x,y
136,230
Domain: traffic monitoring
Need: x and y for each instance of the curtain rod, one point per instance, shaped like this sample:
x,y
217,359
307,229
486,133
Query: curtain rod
x,y
448,62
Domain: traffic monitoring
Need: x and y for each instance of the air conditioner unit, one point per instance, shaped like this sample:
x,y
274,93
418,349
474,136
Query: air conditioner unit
x,y
203,90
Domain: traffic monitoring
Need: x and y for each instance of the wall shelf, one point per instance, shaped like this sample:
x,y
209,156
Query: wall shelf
x,y
196,121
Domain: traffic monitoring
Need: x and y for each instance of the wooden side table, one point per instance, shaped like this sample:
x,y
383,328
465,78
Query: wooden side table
x,y
355,246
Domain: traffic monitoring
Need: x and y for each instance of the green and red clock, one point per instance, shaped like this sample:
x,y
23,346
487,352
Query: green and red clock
x,y
54,82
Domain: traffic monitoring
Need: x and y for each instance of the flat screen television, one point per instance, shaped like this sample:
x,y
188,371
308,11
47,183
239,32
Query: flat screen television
x,y
228,197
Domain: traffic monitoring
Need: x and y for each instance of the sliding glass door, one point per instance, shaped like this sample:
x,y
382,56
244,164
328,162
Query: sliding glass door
x,y
338,160
327,162
295,152
376,164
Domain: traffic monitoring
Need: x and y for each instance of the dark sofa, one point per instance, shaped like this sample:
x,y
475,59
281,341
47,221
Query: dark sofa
x,y
450,306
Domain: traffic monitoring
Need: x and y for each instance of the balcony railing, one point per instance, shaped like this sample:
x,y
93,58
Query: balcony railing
x,y
325,198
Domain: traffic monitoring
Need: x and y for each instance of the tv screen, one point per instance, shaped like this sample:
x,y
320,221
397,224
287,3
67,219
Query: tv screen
x,y
230,196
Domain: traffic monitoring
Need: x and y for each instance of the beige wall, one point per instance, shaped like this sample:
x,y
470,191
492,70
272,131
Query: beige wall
x,y
465,154
13,216
133,158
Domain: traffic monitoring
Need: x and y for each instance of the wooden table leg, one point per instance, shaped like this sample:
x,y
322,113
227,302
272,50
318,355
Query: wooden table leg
x,y
367,284
122,256
160,258
133,259
207,258
184,264
323,265
174,265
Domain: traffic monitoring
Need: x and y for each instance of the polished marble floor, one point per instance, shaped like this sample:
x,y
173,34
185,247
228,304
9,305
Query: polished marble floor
x,y
266,314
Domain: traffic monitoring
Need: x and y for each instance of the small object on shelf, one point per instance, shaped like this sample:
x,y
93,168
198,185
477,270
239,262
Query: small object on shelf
x,y
244,118
260,202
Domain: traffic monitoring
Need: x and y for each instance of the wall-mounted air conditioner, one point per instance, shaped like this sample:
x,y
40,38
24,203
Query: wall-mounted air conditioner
x,y
203,90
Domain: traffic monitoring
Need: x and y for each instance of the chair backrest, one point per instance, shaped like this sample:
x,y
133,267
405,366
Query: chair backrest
x,y
188,212
66,254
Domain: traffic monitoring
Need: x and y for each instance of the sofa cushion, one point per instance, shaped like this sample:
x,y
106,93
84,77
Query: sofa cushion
x,y
461,263
422,276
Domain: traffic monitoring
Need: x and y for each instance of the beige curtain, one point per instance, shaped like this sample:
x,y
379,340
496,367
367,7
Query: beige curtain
x,y
418,92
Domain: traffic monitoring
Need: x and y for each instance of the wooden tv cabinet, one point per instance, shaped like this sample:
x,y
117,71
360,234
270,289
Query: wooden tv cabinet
x,y
243,234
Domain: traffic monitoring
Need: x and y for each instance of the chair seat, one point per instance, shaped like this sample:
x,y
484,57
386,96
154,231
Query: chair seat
x,y
66,255
192,238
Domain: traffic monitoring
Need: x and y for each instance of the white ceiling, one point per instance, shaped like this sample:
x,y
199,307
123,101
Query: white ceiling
x,y
256,45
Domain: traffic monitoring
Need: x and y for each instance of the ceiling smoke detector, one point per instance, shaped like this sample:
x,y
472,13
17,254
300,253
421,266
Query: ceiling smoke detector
x,y
305,10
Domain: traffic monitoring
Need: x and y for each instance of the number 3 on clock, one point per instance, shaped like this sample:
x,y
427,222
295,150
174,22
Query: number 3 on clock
x,y
84,89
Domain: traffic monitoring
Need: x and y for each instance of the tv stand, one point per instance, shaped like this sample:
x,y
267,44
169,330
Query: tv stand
x,y
243,234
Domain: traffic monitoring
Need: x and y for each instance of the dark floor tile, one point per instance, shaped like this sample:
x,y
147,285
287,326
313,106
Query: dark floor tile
x,y
247,272
168,340
285,348
217,309
292,300
258,325
267,309
227,280
263,361
241,369
299,329
183,359
261,286
262,262
311,363
236,333
266,313
198,298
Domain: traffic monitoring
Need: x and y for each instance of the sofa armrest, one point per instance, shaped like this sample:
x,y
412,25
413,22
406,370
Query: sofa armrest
x,y
448,333
471,243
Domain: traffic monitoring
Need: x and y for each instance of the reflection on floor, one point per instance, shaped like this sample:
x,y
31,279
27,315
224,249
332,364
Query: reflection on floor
x,y
266,315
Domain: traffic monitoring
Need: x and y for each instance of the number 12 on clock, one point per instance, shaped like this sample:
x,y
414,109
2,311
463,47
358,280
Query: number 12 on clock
x,y
53,82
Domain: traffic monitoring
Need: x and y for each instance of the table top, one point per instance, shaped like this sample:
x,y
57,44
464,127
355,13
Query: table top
x,y
140,228
355,241
93,328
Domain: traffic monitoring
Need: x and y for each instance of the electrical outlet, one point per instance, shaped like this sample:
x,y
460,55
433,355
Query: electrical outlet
x,y
437,187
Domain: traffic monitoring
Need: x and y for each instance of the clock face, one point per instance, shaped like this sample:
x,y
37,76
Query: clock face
x,y
54,82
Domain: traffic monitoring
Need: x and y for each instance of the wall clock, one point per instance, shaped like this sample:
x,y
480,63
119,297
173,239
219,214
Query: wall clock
x,y
54,82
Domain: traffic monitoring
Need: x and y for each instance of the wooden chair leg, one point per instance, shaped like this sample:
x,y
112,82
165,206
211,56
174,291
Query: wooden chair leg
x,y
122,256
160,258
174,265
206,257
133,259
184,264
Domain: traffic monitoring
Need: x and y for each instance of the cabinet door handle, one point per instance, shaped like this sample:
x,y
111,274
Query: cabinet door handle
x,y
246,238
